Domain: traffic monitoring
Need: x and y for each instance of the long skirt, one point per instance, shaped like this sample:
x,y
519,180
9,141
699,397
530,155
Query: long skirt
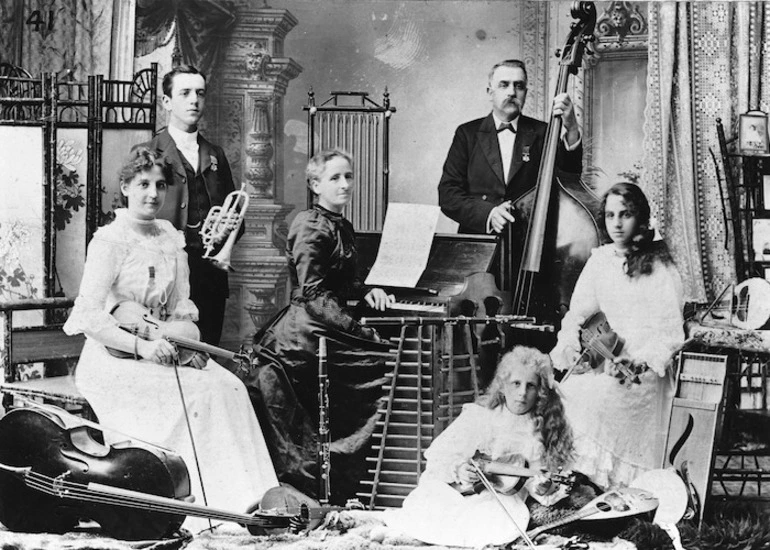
x,y
142,400
283,385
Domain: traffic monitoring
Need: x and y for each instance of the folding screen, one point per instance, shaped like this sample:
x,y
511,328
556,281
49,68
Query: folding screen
x,y
27,132
71,174
127,118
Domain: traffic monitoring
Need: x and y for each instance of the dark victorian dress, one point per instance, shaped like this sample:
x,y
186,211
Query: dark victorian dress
x,y
283,379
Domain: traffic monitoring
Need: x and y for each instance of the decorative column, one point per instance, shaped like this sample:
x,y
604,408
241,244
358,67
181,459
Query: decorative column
x,y
251,84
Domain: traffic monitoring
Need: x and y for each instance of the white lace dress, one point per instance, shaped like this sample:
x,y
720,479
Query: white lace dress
x,y
141,398
620,429
436,513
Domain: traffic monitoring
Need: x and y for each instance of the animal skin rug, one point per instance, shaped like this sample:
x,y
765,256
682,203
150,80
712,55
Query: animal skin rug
x,y
353,530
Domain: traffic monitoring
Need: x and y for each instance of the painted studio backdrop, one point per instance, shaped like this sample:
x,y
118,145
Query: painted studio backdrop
x,y
432,59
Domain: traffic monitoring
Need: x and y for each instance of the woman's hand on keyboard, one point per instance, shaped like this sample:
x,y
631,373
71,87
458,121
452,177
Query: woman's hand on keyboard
x,y
379,299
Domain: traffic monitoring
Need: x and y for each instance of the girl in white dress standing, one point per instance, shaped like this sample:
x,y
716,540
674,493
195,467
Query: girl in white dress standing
x,y
142,259
620,424
520,415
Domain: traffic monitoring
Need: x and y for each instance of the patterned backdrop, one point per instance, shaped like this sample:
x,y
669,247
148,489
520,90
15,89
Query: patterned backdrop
x,y
710,62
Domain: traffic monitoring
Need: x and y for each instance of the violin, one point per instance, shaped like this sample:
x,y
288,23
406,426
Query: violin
x,y
139,321
508,474
600,343
55,470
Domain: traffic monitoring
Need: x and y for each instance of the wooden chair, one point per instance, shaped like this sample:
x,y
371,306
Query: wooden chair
x,y
40,344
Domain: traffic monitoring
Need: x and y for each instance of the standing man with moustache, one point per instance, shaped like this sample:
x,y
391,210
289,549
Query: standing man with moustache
x,y
201,179
494,160
491,163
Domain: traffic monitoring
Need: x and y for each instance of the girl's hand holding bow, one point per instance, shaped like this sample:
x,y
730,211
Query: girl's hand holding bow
x,y
626,370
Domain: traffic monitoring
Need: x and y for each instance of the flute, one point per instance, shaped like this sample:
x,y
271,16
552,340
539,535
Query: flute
x,y
324,435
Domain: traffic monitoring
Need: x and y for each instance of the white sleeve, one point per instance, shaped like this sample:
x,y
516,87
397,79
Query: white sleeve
x,y
101,269
456,444
669,299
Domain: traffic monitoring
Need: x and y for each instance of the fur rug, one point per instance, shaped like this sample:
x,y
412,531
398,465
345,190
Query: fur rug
x,y
738,526
731,526
363,533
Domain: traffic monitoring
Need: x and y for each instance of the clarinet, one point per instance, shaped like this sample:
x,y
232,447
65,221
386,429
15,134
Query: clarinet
x,y
324,435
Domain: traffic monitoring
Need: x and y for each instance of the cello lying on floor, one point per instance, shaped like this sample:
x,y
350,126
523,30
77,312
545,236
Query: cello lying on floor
x,y
54,471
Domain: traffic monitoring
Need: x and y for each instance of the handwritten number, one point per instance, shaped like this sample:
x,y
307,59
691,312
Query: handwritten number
x,y
37,20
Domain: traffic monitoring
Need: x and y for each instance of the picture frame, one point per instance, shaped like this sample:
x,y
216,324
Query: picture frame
x,y
760,239
752,133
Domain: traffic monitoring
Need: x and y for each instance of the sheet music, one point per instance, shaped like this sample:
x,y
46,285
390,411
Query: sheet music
x,y
407,236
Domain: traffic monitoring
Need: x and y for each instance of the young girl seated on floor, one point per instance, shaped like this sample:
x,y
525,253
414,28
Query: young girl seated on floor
x,y
519,416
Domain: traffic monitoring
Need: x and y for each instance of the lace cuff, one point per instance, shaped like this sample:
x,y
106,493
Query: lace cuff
x,y
656,359
88,316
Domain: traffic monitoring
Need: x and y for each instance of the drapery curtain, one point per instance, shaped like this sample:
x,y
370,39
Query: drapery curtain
x,y
57,36
202,26
123,31
707,60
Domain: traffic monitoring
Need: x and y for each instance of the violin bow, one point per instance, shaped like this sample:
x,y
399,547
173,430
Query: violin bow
x,y
190,432
488,486
608,356
572,367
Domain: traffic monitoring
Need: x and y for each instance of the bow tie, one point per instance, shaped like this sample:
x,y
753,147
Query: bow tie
x,y
506,126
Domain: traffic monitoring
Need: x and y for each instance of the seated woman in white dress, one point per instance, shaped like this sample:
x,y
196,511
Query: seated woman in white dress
x,y
141,259
519,416
620,424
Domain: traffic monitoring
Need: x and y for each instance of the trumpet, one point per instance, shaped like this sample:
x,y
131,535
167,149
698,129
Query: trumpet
x,y
224,222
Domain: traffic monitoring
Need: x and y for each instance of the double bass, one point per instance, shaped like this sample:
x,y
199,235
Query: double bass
x,y
559,213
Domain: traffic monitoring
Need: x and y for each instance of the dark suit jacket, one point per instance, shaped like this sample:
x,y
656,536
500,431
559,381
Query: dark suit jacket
x,y
472,181
213,166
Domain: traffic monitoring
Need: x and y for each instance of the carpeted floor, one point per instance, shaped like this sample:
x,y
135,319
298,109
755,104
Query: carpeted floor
x,y
354,531
737,526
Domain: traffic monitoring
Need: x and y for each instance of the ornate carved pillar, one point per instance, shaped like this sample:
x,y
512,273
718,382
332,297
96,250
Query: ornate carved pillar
x,y
251,84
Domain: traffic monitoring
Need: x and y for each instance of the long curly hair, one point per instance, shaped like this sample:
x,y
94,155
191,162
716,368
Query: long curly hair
x,y
643,250
550,420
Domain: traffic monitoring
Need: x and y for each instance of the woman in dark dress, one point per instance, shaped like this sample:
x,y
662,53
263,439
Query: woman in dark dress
x,y
283,378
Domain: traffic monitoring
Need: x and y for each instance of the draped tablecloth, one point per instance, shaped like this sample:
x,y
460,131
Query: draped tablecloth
x,y
723,336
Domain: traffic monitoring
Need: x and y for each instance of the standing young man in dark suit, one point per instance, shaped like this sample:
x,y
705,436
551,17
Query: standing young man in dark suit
x,y
201,179
494,160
